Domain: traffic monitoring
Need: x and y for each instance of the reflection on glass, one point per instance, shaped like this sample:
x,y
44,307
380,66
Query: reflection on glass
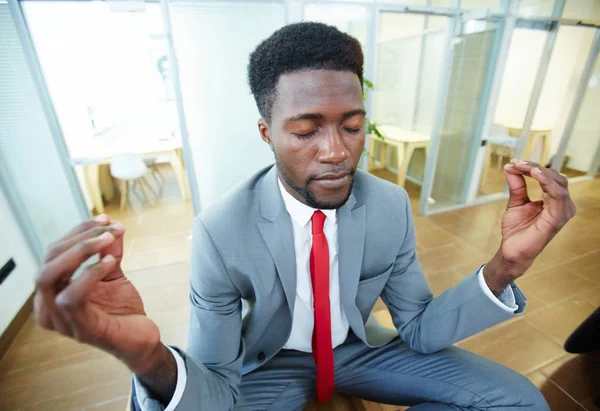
x,y
27,149
518,79
464,105
585,138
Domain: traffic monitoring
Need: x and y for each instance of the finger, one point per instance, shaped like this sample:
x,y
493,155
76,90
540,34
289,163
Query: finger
x,y
56,274
47,314
116,248
72,300
98,221
556,197
528,166
117,229
517,187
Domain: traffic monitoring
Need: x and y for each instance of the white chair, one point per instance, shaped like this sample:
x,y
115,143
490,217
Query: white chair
x,y
130,168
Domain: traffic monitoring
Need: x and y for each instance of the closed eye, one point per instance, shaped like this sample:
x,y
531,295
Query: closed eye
x,y
353,130
307,135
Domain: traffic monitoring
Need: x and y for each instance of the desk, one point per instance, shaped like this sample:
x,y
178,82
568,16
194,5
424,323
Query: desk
x,y
91,154
405,141
535,134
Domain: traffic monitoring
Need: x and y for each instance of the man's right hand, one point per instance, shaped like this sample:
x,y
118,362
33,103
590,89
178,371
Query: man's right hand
x,y
99,307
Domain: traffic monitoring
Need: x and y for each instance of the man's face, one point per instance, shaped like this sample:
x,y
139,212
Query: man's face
x,y
317,134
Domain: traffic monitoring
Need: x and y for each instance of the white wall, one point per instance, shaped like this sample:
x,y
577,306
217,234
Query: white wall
x,y
17,288
212,43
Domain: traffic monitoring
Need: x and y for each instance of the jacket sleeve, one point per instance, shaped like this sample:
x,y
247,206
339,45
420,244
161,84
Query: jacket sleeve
x,y
215,352
430,324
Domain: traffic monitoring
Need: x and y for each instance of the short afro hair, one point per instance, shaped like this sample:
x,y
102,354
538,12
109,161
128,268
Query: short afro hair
x,y
300,46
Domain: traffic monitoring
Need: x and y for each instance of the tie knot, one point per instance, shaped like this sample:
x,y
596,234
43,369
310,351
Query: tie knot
x,y
318,220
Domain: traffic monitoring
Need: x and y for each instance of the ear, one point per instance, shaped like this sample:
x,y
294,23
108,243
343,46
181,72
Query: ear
x,y
265,132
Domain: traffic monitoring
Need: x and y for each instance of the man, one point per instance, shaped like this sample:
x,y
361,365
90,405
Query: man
x,y
287,267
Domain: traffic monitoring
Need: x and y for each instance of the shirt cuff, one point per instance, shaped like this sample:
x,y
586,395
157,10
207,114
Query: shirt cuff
x,y
506,300
179,387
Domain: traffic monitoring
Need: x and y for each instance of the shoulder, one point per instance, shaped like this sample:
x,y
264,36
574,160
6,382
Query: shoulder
x,y
238,207
369,188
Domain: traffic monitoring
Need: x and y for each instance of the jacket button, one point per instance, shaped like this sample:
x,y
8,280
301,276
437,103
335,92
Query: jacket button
x,y
261,356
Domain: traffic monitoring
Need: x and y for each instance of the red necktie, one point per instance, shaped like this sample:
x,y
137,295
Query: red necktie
x,y
321,343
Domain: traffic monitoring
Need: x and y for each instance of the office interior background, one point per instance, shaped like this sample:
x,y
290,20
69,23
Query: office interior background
x,y
140,109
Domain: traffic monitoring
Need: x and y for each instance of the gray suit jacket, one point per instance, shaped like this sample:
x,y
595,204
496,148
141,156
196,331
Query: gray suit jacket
x,y
243,284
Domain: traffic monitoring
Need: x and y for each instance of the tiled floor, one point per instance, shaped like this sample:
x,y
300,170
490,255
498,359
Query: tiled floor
x,y
44,371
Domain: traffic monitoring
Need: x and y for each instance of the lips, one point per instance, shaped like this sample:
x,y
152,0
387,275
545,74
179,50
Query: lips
x,y
333,176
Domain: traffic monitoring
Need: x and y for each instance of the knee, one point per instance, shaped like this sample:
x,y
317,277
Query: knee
x,y
526,396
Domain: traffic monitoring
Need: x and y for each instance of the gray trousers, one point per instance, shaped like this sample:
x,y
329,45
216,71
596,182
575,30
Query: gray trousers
x,y
452,379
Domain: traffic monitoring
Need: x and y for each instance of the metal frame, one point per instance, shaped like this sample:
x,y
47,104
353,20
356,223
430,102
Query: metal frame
x,y
540,77
577,101
185,143
482,116
434,144
496,81
420,71
46,102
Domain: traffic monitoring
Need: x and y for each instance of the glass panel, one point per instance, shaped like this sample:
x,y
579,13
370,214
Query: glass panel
x,y
464,107
347,18
518,79
571,50
108,75
212,42
27,147
406,87
584,144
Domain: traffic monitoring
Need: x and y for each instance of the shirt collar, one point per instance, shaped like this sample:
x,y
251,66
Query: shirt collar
x,y
300,212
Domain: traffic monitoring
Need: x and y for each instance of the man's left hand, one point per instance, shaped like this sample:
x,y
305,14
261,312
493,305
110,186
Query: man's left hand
x,y
527,226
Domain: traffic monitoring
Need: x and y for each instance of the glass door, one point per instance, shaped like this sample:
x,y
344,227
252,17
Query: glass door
x,y
34,171
579,154
474,51
405,84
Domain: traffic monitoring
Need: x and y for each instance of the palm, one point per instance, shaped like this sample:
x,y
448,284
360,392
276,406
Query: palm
x,y
113,312
524,232
114,309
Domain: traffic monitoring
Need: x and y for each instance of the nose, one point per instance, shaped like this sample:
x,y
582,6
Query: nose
x,y
333,148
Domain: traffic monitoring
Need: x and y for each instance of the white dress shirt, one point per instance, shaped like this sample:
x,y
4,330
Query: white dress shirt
x,y
303,316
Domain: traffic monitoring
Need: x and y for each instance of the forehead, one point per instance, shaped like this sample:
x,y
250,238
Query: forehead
x,y
317,91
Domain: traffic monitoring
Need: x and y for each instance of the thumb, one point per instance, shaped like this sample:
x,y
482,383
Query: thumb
x,y
517,188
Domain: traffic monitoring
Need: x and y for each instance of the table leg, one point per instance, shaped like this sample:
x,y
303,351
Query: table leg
x,y
531,143
546,137
124,186
383,153
92,182
180,173
403,162
371,152
146,191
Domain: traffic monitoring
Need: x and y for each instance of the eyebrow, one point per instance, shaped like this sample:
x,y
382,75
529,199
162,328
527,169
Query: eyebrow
x,y
315,116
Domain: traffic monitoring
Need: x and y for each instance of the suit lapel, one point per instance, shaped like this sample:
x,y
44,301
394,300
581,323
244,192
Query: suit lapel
x,y
277,232
351,246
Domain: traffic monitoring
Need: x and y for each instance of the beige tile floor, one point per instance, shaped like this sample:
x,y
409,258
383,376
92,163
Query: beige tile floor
x,y
44,371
